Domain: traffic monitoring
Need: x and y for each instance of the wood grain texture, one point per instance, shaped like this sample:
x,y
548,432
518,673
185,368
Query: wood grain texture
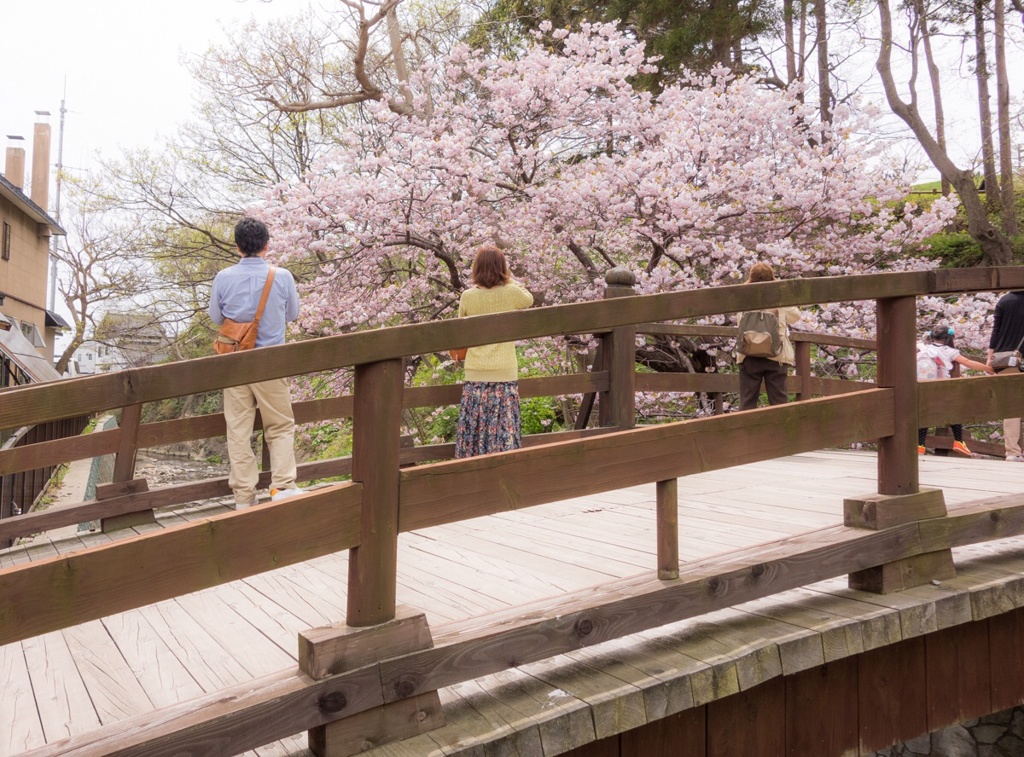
x,y
679,734
668,528
488,644
61,591
892,703
975,399
897,336
1006,657
878,511
326,651
380,725
821,710
446,492
232,720
92,394
958,669
24,458
905,573
762,714
376,424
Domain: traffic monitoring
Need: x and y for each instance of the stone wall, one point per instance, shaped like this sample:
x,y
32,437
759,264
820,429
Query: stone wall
x,y
997,735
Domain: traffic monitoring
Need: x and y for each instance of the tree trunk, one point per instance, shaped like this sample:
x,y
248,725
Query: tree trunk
x,y
1003,119
824,83
981,74
787,23
721,39
995,246
933,75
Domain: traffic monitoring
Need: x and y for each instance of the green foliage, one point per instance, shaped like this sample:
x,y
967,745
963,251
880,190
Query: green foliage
x,y
953,250
539,415
329,440
695,34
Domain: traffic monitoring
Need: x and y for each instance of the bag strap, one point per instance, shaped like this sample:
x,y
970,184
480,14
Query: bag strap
x,y
266,293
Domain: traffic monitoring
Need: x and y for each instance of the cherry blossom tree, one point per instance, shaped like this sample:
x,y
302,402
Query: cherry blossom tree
x,y
559,158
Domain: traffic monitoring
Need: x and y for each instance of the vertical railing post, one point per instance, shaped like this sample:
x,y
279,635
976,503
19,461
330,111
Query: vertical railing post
x,y
375,627
897,370
667,494
123,481
376,431
899,499
128,446
617,406
803,369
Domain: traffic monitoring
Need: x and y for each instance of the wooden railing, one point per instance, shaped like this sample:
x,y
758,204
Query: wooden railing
x,y
21,486
886,541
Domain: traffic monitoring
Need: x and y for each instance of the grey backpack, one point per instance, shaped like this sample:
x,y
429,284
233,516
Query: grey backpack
x,y
759,334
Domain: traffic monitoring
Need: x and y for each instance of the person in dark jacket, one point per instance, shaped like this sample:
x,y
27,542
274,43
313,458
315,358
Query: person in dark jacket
x,y
1008,335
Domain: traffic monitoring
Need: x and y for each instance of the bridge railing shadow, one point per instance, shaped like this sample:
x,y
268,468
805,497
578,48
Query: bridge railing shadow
x,y
887,539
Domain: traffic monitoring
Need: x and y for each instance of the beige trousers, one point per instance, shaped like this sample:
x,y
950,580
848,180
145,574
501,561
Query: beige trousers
x,y
1011,429
275,404
1011,436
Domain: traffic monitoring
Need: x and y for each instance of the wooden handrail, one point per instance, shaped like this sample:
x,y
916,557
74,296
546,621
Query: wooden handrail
x,y
367,515
274,706
58,399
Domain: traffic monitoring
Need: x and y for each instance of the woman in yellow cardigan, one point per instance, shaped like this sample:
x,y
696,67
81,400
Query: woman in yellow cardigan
x,y
489,418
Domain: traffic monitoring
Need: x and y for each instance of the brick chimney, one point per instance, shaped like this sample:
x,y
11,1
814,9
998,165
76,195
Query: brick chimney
x,y
15,169
41,164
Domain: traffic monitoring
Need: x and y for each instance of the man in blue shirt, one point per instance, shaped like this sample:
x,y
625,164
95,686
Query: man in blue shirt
x,y
236,295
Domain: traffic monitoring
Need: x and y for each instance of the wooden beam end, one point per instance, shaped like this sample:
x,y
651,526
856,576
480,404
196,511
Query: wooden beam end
x,y
339,648
879,511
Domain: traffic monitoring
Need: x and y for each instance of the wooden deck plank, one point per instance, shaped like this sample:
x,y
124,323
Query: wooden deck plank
x,y
161,674
62,697
212,667
455,570
115,691
20,726
298,596
260,656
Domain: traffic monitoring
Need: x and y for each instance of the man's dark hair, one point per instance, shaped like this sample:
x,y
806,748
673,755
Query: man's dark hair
x,y
251,236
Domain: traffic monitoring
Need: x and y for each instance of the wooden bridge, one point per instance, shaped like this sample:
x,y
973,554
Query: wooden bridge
x,y
565,606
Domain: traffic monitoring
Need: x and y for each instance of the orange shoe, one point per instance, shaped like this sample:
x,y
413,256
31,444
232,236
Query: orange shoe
x,y
920,449
961,449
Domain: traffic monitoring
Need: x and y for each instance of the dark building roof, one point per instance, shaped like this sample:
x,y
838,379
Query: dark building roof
x,y
22,201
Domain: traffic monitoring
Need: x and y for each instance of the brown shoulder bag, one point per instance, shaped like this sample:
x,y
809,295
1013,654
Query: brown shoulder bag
x,y
235,336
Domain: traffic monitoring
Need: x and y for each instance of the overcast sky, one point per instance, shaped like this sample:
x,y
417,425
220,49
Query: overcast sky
x,y
121,61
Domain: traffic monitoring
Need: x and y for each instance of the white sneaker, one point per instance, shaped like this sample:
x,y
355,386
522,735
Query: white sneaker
x,y
1015,459
276,494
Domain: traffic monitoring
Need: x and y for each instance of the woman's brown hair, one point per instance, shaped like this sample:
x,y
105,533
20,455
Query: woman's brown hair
x,y
489,267
760,272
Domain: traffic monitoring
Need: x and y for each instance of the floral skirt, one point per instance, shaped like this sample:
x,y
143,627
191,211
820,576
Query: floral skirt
x,y
488,418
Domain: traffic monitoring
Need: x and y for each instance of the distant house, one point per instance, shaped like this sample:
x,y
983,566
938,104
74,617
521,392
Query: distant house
x,y
25,232
123,340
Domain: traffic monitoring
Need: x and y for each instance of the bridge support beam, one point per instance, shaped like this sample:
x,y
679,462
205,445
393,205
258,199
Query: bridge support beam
x,y
881,511
897,370
376,442
668,529
324,652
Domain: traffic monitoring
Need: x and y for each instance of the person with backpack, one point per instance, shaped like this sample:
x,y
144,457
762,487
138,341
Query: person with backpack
x,y
764,351
935,359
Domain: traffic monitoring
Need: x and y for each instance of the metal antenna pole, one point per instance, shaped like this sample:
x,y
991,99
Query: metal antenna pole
x,y
56,207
